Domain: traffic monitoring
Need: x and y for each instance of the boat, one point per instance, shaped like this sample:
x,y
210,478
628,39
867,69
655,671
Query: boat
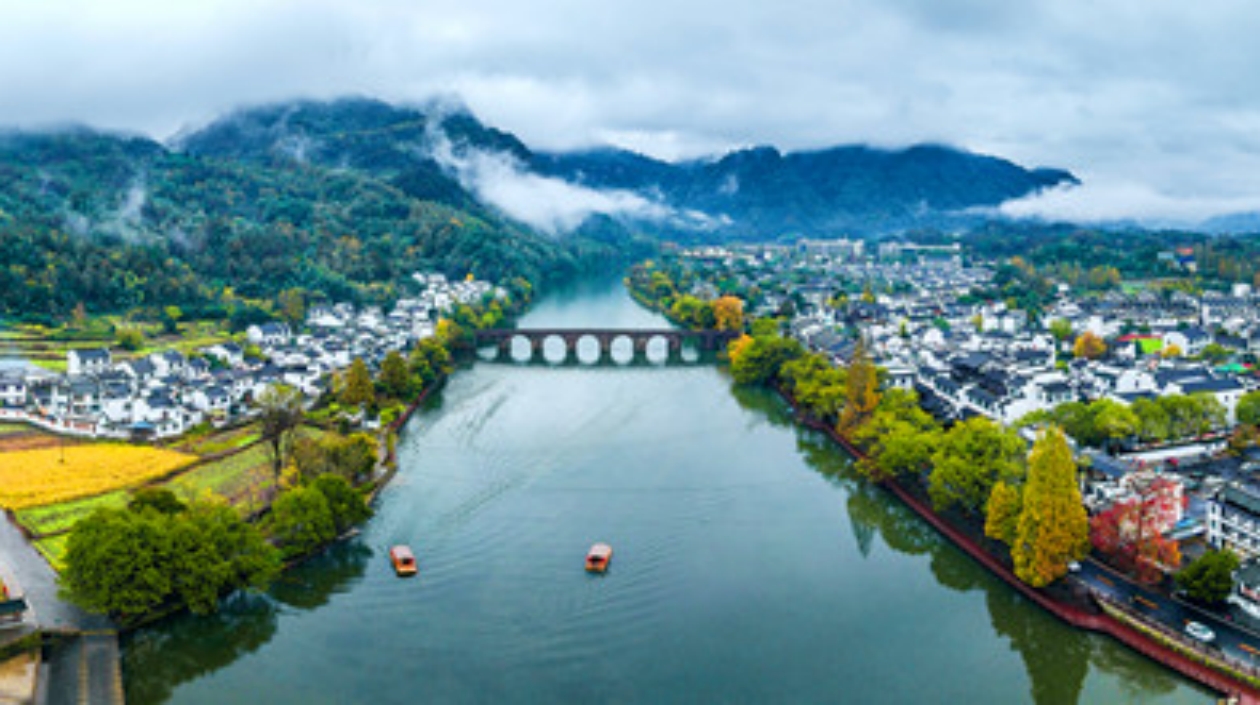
x,y
598,557
404,560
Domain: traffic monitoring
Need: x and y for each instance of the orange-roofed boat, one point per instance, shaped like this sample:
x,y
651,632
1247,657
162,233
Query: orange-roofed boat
x,y
598,557
404,560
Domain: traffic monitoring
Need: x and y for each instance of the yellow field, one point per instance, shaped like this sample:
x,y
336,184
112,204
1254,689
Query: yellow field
x,y
32,478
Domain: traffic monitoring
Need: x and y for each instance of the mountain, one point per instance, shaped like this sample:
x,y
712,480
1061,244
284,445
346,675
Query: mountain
x,y
345,198
760,192
119,222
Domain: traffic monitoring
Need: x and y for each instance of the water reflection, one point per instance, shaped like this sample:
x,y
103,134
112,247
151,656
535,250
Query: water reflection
x,y
1056,658
182,649
159,658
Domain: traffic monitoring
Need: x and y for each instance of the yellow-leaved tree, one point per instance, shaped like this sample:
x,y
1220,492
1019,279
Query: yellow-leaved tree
x,y
728,313
861,396
1053,528
1089,345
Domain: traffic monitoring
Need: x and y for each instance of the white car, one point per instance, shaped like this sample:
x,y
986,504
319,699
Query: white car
x,y
1200,632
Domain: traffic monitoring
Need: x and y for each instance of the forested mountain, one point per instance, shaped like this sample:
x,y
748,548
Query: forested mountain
x,y
759,192
118,222
344,199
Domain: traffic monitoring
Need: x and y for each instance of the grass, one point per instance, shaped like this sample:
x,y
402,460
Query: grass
x,y
9,429
54,549
43,476
215,443
233,477
57,518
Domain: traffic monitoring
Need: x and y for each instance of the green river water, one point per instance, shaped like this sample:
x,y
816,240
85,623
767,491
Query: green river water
x,y
750,565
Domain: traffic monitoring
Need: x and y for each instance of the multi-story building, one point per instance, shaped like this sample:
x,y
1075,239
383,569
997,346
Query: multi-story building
x,y
1233,520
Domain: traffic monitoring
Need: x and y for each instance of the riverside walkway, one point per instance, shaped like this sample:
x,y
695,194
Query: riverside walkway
x,y
86,668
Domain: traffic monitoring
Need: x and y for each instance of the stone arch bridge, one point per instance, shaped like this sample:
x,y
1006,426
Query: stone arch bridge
x,y
640,338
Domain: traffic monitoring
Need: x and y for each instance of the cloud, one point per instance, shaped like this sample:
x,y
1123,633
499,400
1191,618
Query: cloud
x,y
1146,96
1112,201
549,204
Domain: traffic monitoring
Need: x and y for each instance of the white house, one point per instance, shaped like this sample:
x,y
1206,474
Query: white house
x,y
87,362
12,389
269,334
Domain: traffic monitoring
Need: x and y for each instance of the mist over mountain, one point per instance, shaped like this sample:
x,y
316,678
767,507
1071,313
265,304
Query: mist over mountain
x,y
751,193
347,197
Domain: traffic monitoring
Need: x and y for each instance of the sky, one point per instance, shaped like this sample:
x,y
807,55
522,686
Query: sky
x,y
1152,103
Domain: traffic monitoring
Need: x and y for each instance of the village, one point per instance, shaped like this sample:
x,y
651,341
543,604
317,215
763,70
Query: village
x,y
165,394
1196,480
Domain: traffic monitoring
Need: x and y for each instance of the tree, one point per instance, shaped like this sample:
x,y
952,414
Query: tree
x,y
170,319
972,456
1153,423
130,338
1053,528
1001,514
159,499
861,395
1171,351
292,305
1061,329
394,380
356,385
728,313
900,437
114,562
759,360
1248,409
1210,577
280,408
1131,532
301,521
1088,345
1113,420
214,551
347,505
1215,353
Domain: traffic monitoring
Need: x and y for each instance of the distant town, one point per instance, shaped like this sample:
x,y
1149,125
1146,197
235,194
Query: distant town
x,y
164,394
915,308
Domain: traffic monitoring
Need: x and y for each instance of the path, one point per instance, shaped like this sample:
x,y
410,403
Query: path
x,y
87,669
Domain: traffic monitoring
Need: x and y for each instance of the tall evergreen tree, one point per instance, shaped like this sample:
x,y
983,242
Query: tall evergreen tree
x,y
1053,528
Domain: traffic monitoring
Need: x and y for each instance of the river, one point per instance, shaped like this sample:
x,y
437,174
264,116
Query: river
x,y
750,565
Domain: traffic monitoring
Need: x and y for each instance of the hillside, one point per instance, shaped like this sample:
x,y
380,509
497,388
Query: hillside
x,y
343,199
118,222
760,192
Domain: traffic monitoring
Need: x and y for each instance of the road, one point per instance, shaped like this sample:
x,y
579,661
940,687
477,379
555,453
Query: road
x,y
83,670
1235,641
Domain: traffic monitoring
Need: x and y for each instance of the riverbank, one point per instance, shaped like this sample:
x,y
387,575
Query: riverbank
x,y
1108,618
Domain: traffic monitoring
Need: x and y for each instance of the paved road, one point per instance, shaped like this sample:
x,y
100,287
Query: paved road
x,y
39,584
85,669
1237,642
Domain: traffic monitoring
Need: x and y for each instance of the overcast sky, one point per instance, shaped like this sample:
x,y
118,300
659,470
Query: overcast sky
x,y
1154,103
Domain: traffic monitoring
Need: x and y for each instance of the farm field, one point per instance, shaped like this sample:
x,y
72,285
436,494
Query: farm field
x,y
42,476
60,517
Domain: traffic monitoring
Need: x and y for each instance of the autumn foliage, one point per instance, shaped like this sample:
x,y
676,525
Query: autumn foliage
x,y
1131,532
1052,529
34,478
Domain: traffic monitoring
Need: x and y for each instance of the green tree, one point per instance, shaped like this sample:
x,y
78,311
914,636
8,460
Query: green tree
x,y
1053,528
301,521
1153,422
292,304
356,385
394,380
972,456
1001,514
280,413
1210,577
346,504
1061,329
115,562
760,360
1113,420
900,437
160,499
170,318
1248,409
213,551
130,338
